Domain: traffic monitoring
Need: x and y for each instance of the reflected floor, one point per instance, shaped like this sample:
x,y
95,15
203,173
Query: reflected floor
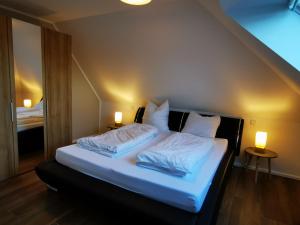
x,y
28,161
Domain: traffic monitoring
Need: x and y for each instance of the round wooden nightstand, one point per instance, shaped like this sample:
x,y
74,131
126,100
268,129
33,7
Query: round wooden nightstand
x,y
259,153
113,126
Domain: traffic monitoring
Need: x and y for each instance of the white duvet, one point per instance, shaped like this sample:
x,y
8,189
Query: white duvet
x,y
119,141
177,155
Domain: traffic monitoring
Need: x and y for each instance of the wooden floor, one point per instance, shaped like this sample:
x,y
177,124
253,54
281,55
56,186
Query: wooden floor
x,y
274,201
26,200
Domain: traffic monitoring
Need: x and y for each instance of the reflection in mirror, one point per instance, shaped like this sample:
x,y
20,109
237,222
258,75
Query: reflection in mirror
x,y
295,5
29,94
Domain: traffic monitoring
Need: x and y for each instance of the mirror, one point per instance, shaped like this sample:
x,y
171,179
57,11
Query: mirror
x,y
29,94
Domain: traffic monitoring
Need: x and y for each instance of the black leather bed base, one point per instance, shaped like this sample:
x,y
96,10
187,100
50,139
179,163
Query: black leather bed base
x,y
31,140
69,181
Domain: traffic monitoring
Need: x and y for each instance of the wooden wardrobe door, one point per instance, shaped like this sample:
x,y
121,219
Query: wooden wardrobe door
x,y
7,156
57,67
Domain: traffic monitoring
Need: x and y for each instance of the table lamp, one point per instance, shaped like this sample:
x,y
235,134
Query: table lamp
x,y
261,141
118,119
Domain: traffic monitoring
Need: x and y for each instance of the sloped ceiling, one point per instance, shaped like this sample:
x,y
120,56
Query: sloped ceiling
x,y
169,49
177,50
62,10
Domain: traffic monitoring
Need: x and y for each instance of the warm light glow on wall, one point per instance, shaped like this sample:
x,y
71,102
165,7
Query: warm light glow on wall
x,y
27,103
136,2
118,117
32,89
269,106
261,139
120,91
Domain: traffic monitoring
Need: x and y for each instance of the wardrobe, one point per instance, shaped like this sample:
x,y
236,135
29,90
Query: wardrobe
x,y
57,72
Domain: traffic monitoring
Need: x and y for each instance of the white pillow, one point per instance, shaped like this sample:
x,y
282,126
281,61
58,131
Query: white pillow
x,y
39,106
202,126
157,116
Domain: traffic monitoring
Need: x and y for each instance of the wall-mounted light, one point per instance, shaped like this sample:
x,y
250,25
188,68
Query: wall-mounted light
x,y
136,2
27,103
118,118
261,140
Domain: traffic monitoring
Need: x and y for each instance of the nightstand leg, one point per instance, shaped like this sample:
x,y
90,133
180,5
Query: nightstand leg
x,y
269,166
256,169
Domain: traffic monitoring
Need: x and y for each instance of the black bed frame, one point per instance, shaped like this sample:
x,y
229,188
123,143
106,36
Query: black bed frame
x,y
31,140
66,180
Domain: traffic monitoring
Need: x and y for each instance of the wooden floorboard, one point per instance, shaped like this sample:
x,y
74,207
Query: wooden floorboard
x,y
276,201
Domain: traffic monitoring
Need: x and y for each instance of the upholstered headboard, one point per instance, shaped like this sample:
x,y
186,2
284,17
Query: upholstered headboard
x,y
230,128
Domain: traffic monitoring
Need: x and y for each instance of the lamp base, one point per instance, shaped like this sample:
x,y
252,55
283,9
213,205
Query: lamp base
x,y
118,124
260,150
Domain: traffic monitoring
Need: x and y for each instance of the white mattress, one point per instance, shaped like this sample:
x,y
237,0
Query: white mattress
x,y
187,193
28,126
29,123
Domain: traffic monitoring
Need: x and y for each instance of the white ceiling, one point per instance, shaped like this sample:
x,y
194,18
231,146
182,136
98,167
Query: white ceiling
x,y
64,10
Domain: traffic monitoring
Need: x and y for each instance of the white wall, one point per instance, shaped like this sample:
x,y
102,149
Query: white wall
x,y
85,106
180,51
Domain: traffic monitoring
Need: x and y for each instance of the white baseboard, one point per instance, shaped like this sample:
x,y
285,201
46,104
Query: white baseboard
x,y
237,163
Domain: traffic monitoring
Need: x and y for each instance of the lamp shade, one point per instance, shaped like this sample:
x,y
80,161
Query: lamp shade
x,y
136,2
118,117
27,103
261,139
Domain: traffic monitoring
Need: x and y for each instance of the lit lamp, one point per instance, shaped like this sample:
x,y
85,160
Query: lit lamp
x,y
136,2
261,141
118,119
27,103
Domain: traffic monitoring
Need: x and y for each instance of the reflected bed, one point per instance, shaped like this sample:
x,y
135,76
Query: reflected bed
x,y
30,129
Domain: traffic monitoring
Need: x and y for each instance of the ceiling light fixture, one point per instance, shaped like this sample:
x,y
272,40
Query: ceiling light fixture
x,y
136,2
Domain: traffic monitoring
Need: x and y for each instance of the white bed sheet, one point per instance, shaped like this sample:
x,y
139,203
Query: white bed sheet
x,y
187,193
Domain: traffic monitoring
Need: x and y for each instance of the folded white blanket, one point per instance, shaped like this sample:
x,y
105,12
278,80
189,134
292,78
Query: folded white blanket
x,y
177,155
119,141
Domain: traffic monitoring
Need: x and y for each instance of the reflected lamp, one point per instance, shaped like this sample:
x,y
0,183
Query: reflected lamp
x,y
27,103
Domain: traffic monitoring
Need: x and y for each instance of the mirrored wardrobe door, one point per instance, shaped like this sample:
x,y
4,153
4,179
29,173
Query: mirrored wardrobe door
x,y
28,76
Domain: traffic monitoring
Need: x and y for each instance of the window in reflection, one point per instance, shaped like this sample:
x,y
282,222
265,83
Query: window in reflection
x,y
295,5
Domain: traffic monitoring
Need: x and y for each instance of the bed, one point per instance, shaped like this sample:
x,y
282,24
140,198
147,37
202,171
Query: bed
x,y
197,197
30,129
